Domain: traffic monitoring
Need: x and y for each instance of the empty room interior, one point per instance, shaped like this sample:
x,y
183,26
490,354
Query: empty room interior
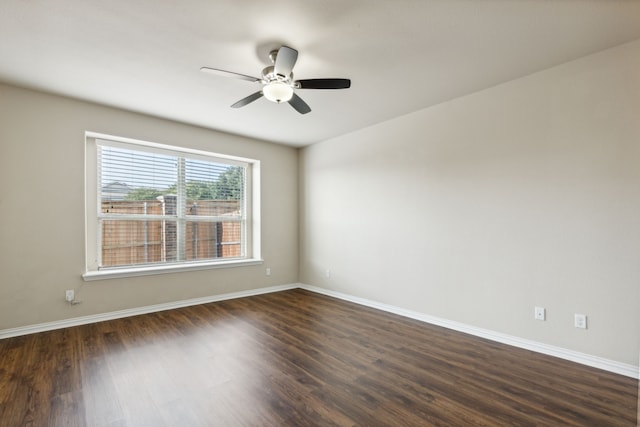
x,y
349,213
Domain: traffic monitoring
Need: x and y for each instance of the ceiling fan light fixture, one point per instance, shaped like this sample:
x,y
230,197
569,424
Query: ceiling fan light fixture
x,y
277,81
277,92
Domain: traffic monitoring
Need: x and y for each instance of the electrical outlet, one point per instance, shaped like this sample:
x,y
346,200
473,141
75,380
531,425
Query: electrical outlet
x,y
268,271
580,321
69,295
539,313
327,274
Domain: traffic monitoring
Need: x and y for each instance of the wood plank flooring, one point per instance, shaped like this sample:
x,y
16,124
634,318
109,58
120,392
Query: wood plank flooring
x,y
294,358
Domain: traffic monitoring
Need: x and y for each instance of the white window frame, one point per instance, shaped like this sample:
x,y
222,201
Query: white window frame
x,y
92,236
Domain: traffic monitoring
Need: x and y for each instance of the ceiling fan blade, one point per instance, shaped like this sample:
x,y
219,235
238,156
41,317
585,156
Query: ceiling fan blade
x,y
285,60
299,105
225,73
248,100
324,84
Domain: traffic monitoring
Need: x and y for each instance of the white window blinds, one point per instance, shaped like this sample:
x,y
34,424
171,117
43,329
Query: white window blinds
x,y
158,206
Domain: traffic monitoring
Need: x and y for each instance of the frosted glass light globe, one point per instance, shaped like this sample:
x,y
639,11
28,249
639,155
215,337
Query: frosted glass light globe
x,y
277,92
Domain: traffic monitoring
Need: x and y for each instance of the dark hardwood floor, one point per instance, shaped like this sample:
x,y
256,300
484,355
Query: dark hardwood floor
x,y
294,358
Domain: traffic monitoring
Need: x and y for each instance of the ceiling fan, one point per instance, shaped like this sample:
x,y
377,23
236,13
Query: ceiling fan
x,y
277,81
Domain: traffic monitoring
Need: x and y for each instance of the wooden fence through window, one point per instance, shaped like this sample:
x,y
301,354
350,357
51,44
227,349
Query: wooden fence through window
x,y
134,242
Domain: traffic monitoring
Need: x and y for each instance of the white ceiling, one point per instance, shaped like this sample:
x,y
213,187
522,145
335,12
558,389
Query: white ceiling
x,y
401,55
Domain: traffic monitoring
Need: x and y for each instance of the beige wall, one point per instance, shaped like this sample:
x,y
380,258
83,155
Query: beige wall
x,y
478,209
42,251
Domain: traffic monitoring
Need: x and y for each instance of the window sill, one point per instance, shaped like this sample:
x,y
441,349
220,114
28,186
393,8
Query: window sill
x,y
117,273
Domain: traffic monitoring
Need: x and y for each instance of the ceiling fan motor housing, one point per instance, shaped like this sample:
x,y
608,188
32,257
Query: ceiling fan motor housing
x,y
269,75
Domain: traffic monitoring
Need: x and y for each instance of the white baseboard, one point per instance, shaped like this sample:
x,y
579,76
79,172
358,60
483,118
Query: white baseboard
x,y
574,356
94,318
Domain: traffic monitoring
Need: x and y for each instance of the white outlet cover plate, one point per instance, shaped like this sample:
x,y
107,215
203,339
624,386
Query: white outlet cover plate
x,y
580,321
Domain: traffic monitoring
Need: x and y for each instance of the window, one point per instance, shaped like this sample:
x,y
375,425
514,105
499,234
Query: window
x,y
153,208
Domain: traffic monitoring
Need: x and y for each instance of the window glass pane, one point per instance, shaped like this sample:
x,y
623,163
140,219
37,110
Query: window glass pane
x,y
213,189
206,240
127,242
135,175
